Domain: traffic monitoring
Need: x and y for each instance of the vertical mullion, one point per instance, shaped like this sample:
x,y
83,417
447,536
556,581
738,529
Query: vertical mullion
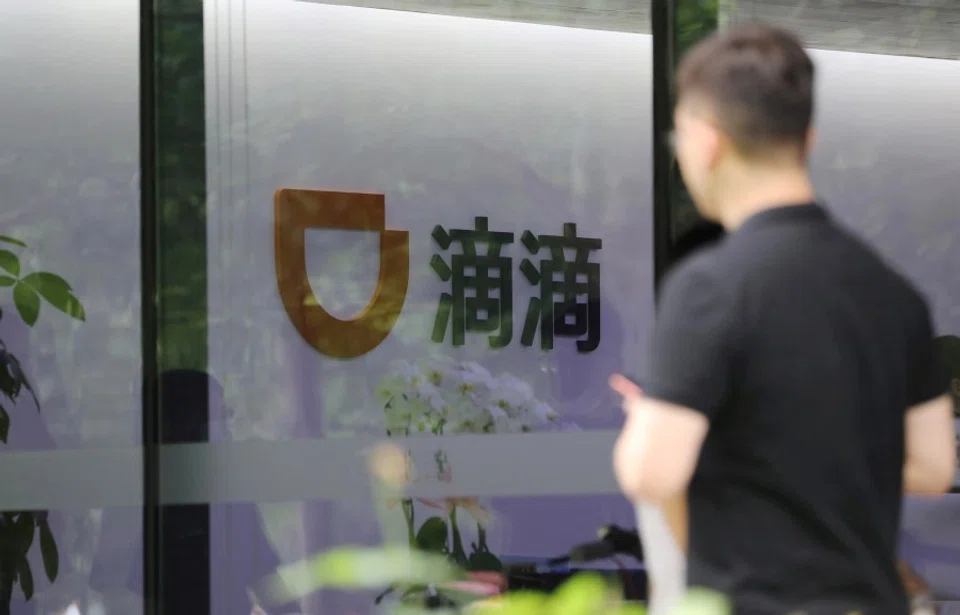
x,y
662,16
677,25
148,311
173,277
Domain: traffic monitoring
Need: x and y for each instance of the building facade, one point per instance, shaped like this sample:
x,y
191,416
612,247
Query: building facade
x,y
242,240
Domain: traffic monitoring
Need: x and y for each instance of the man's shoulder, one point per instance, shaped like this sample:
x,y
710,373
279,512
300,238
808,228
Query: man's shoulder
x,y
886,274
709,262
709,279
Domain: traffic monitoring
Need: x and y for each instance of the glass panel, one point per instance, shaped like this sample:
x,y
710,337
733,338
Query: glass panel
x,y
925,28
617,15
885,164
353,156
70,302
692,21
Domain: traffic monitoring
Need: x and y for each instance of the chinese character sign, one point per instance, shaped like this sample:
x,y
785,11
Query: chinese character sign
x,y
481,294
565,284
559,281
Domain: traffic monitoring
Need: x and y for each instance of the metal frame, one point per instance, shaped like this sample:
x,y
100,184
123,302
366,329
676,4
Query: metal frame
x,y
663,14
174,333
149,322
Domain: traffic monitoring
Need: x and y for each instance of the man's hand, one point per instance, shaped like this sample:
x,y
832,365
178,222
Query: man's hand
x,y
657,450
627,389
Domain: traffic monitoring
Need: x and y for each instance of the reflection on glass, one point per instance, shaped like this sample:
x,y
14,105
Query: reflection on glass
x,y
513,160
69,291
893,28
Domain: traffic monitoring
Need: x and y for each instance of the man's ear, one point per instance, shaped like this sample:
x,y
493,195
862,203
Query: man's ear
x,y
715,145
812,138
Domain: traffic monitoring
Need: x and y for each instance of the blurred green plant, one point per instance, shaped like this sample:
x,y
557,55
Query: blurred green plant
x,y
19,529
432,575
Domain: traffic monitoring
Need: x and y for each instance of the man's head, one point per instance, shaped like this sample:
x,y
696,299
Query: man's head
x,y
744,106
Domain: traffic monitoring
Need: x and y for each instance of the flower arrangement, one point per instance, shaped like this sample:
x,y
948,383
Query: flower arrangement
x,y
440,396
443,397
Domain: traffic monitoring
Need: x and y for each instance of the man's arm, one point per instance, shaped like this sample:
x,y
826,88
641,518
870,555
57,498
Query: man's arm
x,y
675,508
930,460
930,447
689,372
656,453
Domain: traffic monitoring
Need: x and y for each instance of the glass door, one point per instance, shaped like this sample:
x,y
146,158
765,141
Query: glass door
x,y
71,467
390,221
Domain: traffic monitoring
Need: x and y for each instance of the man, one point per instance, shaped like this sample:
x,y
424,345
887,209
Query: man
x,y
791,388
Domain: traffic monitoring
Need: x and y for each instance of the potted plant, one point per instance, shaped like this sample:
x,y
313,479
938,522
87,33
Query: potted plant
x,y
440,396
19,530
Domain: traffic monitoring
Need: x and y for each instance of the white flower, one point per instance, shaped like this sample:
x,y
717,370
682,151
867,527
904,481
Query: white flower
x,y
544,413
439,395
465,416
502,422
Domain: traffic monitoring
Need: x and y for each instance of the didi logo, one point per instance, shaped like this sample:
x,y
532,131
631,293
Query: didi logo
x,y
298,210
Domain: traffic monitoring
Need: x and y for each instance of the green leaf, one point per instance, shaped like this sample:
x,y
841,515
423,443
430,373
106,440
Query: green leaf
x,y
699,601
25,530
582,594
629,608
484,561
12,378
10,262
26,578
57,292
433,535
359,569
523,602
4,424
16,242
44,281
48,549
28,303
412,591
6,280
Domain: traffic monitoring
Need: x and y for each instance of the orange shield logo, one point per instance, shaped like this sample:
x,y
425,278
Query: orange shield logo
x,y
298,210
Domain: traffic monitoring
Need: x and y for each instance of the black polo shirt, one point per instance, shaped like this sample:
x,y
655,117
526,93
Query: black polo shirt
x,y
803,349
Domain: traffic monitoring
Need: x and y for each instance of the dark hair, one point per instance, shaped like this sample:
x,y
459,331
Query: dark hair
x,y
758,81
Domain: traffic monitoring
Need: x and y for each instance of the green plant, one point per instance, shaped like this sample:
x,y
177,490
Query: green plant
x,y
398,565
19,529
29,288
442,535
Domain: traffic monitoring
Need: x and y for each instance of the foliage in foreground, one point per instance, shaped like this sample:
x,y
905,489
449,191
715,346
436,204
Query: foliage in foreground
x,y
425,575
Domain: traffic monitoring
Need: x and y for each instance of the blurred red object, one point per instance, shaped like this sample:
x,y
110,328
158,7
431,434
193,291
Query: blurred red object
x,y
482,584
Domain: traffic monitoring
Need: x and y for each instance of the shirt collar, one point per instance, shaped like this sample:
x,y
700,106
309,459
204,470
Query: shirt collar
x,y
805,212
